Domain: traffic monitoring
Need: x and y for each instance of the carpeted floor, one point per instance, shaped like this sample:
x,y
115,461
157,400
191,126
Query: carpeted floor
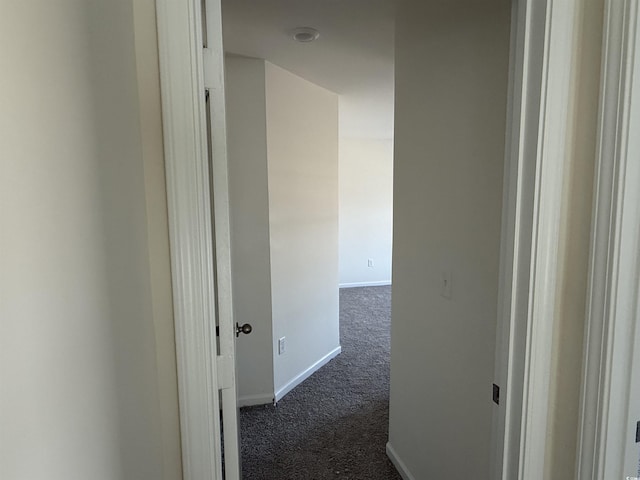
x,y
334,425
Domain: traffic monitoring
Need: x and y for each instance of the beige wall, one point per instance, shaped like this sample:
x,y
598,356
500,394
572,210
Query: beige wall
x,y
86,373
249,214
564,400
283,172
366,204
302,145
572,269
146,45
451,90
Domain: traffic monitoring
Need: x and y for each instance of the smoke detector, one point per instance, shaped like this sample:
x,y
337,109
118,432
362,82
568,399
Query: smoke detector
x,y
305,34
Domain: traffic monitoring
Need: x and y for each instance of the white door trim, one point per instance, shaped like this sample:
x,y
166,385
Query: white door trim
x,y
219,180
190,231
551,158
542,51
614,277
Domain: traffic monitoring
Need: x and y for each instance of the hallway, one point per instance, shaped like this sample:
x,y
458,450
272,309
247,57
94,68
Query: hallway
x,y
335,424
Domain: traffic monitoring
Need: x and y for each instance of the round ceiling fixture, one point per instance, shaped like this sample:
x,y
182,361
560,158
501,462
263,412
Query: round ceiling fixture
x,y
305,34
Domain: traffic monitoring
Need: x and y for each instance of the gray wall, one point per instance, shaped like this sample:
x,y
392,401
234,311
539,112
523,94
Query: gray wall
x,y
451,91
283,171
302,145
84,331
249,214
366,204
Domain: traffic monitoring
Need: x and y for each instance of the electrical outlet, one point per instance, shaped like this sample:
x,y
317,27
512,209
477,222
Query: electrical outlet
x,y
282,345
370,263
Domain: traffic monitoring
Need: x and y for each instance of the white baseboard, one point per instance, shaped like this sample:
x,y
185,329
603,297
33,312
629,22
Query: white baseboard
x,y
302,376
399,464
380,283
251,400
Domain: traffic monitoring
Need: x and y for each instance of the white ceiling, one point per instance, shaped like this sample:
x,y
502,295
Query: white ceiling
x,y
353,56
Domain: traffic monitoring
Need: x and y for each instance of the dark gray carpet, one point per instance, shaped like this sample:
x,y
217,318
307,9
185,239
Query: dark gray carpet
x,y
333,425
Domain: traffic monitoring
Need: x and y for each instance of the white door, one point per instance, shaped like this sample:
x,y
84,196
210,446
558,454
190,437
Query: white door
x,y
219,188
193,107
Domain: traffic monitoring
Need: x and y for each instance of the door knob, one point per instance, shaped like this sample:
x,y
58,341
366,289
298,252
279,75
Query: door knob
x,y
246,329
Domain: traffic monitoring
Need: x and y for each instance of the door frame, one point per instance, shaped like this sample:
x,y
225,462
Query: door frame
x,y
201,274
536,146
536,139
607,433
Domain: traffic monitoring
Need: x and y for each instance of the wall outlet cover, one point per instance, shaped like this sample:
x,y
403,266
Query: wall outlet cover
x,y
282,346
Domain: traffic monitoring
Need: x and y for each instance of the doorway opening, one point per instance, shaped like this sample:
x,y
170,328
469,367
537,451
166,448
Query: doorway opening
x,y
309,110
460,43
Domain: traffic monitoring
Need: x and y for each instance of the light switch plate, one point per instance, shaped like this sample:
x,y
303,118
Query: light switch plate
x,y
446,284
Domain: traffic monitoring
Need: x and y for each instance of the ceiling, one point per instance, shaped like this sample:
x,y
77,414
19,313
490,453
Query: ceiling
x,y
353,56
